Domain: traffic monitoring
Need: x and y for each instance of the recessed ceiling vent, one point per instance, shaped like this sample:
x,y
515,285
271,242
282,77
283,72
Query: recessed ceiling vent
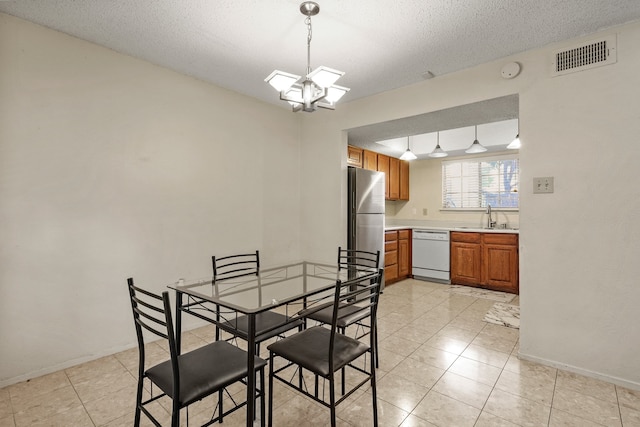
x,y
584,56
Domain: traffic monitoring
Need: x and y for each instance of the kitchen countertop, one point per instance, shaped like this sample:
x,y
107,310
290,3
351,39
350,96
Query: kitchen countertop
x,y
473,229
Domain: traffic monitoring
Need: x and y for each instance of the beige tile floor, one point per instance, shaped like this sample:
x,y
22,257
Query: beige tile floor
x,y
440,365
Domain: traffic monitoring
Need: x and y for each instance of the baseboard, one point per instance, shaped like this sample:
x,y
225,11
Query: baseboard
x,y
70,363
64,365
576,370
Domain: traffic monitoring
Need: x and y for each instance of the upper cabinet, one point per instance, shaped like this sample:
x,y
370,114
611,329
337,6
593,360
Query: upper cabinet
x,y
383,166
354,156
396,171
404,180
370,160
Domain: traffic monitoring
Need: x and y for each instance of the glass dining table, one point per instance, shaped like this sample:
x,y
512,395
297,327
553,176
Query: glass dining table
x,y
288,288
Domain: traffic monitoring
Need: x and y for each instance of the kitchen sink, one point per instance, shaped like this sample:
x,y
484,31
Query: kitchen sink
x,y
486,228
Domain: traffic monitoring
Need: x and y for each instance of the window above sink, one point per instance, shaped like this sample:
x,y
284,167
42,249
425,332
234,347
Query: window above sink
x,y
473,184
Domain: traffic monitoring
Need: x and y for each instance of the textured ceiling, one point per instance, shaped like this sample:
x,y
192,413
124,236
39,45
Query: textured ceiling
x,y
380,44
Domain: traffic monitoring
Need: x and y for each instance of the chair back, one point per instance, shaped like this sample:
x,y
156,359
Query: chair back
x,y
152,312
232,266
355,297
358,262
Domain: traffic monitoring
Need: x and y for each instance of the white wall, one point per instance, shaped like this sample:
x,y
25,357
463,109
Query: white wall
x,y
111,167
579,246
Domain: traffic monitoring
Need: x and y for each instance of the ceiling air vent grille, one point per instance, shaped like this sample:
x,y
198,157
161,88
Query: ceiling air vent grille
x,y
587,55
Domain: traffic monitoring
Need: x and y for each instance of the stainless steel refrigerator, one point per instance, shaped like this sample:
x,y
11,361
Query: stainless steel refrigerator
x,y
366,211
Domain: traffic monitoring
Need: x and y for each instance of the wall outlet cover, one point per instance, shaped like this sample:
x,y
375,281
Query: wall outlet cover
x,y
543,185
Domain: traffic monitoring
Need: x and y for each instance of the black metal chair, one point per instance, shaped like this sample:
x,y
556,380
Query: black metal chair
x,y
189,377
357,263
324,351
268,324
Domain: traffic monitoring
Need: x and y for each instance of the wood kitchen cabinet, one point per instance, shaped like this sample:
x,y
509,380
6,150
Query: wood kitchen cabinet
x,y
396,171
404,254
370,160
383,166
488,260
397,255
390,256
354,156
404,180
394,178
500,262
466,253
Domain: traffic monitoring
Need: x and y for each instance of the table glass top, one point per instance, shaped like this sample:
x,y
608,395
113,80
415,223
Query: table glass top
x,y
273,287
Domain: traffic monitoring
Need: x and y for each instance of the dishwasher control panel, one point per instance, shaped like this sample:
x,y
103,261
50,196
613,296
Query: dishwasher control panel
x,y
431,234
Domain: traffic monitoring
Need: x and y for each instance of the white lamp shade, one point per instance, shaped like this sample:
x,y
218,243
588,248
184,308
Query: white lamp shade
x,y
281,80
294,95
515,144
438,152
476,147
325,76
408,155
334,93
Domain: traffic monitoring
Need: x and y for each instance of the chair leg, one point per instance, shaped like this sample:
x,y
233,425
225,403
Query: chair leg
x,y
262,393
343,374
136,422
375,346
175,414
220,408
332,399
374,395
270,389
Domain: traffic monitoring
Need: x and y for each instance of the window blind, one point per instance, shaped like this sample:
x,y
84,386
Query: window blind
x,y
478,182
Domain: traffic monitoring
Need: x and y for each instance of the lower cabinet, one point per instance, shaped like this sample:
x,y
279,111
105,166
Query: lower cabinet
x,y
466,254
500,262
397,255
488,260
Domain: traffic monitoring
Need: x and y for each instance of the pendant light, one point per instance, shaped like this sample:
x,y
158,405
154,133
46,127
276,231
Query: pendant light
x,y
438,152
408,155
515,144
476,147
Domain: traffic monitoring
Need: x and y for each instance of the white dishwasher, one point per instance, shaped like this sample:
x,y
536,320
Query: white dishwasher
x,y
430,260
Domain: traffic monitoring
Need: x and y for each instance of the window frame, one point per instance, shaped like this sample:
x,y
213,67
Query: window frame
x,y
479,159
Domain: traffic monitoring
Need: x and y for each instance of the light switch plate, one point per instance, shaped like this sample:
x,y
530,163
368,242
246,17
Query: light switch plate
x,y
543,185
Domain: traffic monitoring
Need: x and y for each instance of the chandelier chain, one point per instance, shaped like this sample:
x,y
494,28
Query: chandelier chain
x,y
309,34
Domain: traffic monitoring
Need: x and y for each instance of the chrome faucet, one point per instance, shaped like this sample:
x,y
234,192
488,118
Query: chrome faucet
x,y
490,222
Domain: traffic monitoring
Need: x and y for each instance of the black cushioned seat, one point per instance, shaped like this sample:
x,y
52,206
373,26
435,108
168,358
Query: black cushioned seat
x,y
189,377
268,324
348,315
305,348
203,371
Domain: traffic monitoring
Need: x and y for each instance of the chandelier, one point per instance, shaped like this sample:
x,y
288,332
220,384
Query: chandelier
x,y
317,88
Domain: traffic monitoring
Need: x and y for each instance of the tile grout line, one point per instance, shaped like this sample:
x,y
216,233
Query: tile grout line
x,y
79,399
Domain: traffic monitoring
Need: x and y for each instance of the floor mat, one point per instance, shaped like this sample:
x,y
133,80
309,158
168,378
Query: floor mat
x,y
482,293
504,315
